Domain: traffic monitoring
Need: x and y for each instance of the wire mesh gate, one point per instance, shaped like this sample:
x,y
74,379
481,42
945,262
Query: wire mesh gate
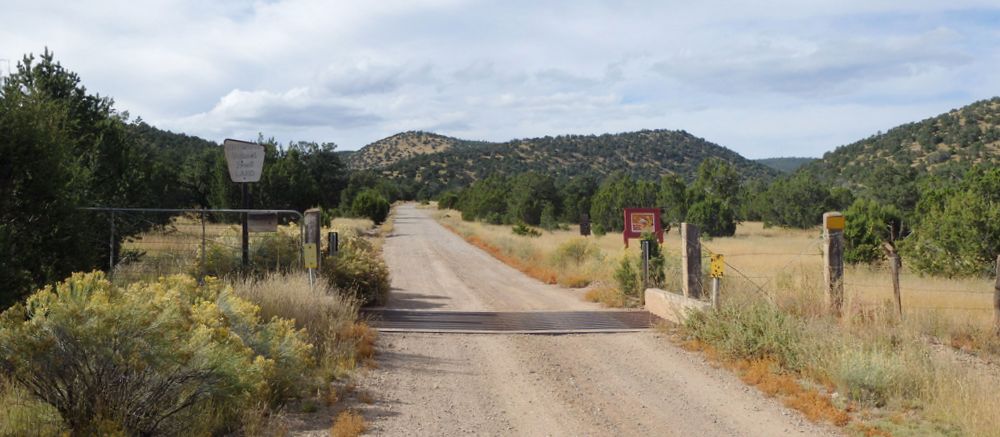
x,y
146,243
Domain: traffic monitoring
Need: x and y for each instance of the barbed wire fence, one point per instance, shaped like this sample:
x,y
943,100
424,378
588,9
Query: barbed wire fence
x,y
865,284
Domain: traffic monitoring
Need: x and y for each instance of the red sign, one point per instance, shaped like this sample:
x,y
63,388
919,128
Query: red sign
x,y
639,220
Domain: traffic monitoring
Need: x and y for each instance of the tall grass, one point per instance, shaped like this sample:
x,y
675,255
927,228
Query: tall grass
x,y
330,318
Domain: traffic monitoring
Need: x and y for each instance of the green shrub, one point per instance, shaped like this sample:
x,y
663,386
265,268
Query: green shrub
x,y
548,218
627,278
872,377
359,271
575,252
958,227
152,358
713,216
525,230
752,330
370,203
448,200
598,230
869,224
657,261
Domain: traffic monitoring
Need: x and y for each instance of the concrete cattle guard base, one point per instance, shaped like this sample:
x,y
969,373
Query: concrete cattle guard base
x,y
633,383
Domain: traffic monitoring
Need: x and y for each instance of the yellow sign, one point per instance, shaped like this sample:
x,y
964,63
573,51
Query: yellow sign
x,y
310,255
716,270
835,222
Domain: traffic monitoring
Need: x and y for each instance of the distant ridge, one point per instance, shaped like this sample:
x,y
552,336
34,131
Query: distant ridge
x,y
785,164
948,143
445,161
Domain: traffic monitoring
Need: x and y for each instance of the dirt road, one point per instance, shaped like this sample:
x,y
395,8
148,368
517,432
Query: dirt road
x,y
569,385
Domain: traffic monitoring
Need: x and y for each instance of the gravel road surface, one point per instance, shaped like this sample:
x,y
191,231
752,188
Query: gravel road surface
x,y
544,385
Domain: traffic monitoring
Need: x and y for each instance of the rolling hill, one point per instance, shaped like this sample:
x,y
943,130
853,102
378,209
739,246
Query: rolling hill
x,y
785,164
447,162
400,147
948,143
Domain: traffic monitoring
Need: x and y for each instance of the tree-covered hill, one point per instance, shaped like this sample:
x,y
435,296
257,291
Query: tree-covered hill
x,y
947,144
785,164
647,153
400,147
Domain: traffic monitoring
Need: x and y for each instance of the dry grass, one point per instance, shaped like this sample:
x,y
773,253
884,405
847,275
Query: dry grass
x,y
784,262
607,296
341,342
349,423
766,375
351,226
536,257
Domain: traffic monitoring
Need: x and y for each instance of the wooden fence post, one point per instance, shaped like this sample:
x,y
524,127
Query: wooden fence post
x,y
894,265
691,261
996,298
833,260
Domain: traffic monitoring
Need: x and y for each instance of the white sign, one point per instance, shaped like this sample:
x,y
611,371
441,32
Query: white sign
x,y
246,160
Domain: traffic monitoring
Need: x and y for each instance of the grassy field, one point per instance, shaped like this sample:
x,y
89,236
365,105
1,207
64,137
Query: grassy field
x,y
776,260
929,373
175,248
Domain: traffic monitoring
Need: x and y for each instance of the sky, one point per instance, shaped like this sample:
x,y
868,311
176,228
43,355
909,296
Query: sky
x,y
766,78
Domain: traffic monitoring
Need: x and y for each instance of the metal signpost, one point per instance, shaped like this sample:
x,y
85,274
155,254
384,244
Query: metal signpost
x,y
246,162
716,271
645,264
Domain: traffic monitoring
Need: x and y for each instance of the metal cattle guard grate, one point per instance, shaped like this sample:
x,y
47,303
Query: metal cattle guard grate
x,y
540,322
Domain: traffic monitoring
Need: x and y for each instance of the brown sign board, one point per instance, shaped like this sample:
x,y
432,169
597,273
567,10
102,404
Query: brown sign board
x,y
639,220
257,222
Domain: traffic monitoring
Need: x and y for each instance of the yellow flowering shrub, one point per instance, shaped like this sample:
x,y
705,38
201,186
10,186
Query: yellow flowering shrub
x,y
358,270
164,357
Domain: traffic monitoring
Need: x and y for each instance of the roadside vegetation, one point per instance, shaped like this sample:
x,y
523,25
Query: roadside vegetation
x,y
170,356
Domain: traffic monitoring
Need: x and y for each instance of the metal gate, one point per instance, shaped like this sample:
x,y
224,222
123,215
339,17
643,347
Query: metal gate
x,y
146,243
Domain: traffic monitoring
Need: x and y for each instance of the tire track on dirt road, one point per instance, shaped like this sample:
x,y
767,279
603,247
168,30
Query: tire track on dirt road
x,y
494,384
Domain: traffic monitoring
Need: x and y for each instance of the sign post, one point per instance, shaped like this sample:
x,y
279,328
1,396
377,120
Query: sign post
x,y
645,264
716,272
833,258
245,161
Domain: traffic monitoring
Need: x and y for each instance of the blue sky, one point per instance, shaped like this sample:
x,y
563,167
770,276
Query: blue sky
x,y
774,78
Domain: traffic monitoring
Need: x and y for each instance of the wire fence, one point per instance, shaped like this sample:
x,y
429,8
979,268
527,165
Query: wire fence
x,y
144,244
773,272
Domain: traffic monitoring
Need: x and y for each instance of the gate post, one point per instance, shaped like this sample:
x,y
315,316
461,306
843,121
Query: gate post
x,y
312,228
833,260
691,260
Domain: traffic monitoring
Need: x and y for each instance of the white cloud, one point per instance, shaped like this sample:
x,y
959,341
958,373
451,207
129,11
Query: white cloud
x,y
783,77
